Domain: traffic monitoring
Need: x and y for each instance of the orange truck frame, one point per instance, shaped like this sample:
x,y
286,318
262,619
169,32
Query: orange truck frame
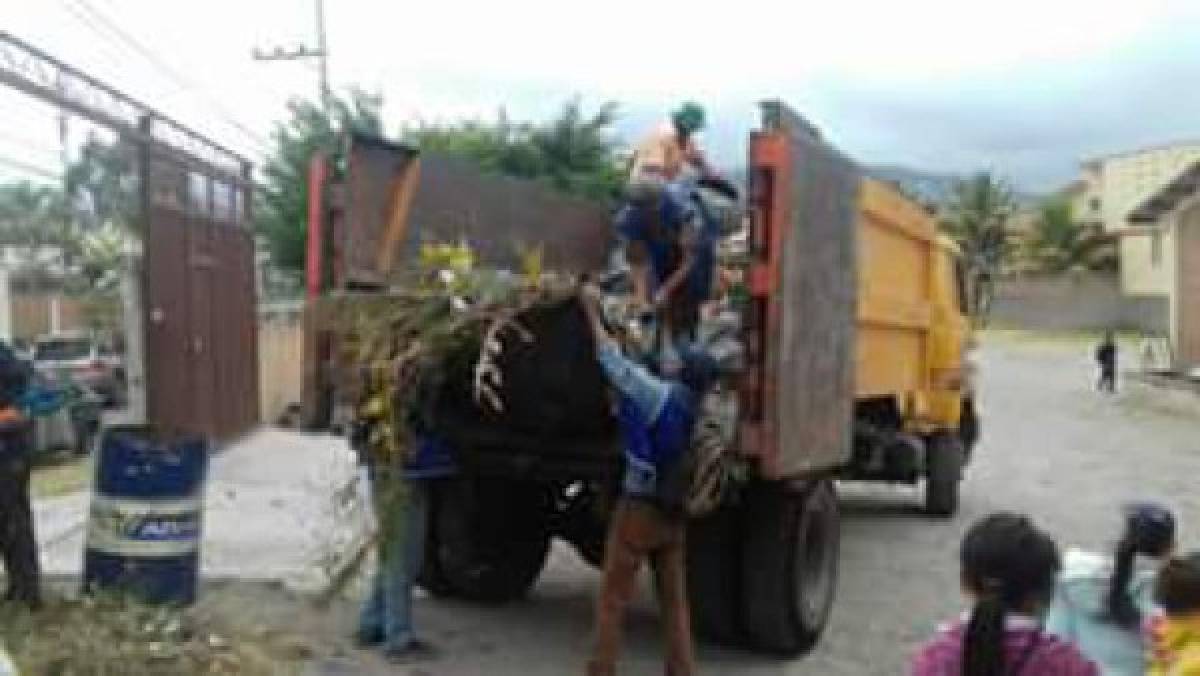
x,y
854,334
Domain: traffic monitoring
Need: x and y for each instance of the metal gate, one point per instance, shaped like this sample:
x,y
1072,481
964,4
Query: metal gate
x,y
197,312
201,339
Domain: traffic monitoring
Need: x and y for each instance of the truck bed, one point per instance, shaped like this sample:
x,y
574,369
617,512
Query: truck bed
x,y
557,421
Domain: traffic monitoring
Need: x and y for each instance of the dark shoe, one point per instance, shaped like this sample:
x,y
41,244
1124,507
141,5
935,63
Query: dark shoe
x,y
368,639
416,651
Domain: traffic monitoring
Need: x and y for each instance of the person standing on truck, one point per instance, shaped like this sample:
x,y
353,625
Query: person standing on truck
x,y
667,242
1106,359
657,416
400,490
18,546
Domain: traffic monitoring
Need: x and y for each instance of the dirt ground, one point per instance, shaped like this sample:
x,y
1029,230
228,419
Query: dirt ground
x,y
1051,447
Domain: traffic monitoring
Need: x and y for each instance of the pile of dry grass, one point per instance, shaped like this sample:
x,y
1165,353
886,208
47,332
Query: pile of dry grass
x,y
111,635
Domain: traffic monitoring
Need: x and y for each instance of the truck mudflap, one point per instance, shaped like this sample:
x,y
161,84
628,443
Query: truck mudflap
x,y
798,393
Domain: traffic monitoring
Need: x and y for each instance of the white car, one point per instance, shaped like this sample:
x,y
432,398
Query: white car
x,y
77,357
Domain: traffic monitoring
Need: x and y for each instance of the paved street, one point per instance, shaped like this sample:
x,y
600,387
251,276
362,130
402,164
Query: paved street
x,y
1051,448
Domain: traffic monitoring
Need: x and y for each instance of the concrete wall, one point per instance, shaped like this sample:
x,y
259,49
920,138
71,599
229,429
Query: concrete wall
x,y
280,358
1076,301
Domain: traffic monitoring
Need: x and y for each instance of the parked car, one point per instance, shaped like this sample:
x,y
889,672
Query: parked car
x,y
77,357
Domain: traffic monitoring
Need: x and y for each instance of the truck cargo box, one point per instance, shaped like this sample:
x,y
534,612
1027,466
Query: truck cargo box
x,y
396,198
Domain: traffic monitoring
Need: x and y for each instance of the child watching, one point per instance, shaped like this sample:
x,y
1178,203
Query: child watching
x,y
1008,571
1175,636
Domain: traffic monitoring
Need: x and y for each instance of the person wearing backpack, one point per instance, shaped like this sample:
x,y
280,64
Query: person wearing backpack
x,y
1102,604
657,414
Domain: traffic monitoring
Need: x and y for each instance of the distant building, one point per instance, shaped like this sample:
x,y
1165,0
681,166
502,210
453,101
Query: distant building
x,y
1110,187
1172,214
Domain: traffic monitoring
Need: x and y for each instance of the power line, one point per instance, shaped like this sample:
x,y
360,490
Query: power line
x,y
181,81
28,168
303,53
178,78
26,144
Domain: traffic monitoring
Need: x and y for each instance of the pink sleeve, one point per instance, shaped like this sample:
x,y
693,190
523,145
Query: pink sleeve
x,y
928,660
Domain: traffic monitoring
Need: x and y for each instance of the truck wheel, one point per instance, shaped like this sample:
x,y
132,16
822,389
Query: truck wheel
x,y
789,565
493,539
714,576
944,462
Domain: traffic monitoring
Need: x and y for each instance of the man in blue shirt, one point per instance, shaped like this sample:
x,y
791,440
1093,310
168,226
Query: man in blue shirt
x,y
668,239
402,511
656,415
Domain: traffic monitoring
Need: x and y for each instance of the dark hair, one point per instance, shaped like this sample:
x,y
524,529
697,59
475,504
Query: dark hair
x,y
1177,589
1009,565
1149,531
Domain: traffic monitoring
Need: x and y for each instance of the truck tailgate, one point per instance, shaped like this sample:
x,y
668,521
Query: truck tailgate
x,y
800,337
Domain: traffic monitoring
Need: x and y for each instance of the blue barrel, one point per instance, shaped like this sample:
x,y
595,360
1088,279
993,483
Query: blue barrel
x,y
147,510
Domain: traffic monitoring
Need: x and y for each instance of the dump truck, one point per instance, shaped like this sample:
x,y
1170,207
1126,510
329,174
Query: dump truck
x,y
854,337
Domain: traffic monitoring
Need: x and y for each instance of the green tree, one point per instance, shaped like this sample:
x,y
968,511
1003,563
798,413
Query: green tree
x,y
1059,244
36,223
575,152
977,218
102,185
34,217
281,213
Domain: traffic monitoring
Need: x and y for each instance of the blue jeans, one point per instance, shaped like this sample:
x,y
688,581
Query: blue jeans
x,y
387,611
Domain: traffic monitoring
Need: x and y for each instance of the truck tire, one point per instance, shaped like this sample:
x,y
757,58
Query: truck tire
x,y
789,565
943,469
493,539
714,576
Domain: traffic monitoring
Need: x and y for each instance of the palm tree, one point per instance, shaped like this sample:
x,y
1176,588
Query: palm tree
x,y
977,218
281,212
1058,244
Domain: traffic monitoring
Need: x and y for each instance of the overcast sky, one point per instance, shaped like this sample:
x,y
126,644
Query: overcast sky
x,y
1027,88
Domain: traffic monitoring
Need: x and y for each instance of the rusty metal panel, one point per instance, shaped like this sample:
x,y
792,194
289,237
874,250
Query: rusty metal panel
x,y
452,200
168,378
807,259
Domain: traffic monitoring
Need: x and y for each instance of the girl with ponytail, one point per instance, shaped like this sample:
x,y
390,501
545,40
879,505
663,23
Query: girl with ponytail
x,y
1102,603
1008,570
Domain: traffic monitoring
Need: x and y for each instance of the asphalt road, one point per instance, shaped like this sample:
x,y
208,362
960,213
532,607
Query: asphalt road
x,y
1051,448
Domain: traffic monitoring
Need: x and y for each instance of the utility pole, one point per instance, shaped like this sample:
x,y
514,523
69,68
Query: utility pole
x,y
321,54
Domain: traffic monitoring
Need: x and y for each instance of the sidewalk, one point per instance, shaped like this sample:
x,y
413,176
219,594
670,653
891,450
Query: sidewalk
x,y
280,506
